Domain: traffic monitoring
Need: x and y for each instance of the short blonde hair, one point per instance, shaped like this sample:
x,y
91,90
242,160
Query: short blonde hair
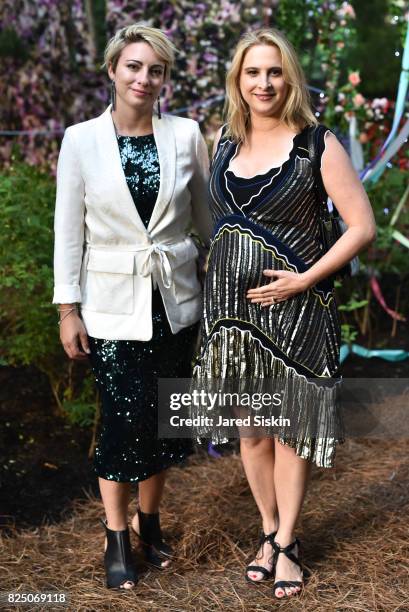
x,y
160,43
296,112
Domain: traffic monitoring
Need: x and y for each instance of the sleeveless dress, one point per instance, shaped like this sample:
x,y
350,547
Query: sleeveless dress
x,y
271,221
126,371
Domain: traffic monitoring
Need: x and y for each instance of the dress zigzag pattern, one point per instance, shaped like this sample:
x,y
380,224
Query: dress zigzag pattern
x,y
271,221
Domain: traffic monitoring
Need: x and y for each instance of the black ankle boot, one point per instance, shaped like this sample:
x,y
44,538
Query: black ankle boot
x,y
155,549
118,558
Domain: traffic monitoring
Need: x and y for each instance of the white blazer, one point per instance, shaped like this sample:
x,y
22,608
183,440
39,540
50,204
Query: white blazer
x,y
104,257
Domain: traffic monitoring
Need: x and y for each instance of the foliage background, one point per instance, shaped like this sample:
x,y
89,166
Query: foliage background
x,y
51,53
50,77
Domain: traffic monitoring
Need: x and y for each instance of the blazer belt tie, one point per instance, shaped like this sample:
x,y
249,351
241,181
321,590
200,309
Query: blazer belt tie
x,y
156,257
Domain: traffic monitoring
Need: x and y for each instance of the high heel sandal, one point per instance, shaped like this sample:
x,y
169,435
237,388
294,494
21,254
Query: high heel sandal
x,y
118,559
150,534
259,568
283,584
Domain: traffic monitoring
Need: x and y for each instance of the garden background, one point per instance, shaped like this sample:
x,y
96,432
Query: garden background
x,y
51,53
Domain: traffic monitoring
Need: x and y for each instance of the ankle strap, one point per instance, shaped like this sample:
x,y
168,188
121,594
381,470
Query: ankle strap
x,y
286,550
269,537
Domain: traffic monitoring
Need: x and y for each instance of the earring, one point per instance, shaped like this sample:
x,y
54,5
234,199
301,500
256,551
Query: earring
x,y
159,113
113,95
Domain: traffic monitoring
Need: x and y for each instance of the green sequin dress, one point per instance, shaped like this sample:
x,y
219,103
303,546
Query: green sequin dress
x,y
126,371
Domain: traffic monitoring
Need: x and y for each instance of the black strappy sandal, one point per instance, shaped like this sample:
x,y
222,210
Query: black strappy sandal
x,y
150,534
282,584
267,574
118,559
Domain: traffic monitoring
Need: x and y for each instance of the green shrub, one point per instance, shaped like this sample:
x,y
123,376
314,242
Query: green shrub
x,y
28,320
387,255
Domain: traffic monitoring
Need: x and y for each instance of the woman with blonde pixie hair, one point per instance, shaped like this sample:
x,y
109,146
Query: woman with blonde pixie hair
x,y
130,185
269,308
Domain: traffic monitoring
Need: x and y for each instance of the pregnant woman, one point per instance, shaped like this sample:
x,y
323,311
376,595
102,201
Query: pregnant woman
x,y
130,185
269,307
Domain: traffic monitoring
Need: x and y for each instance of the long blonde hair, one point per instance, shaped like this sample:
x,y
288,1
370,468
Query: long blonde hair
x,y
296,111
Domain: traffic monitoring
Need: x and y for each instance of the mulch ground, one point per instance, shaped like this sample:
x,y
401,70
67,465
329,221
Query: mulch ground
x,y
354,530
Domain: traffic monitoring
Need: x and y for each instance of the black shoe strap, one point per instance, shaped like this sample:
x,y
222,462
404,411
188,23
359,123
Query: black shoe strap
x,y
286,550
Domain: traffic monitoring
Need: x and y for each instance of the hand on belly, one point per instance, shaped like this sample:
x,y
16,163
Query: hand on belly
x,y
284,284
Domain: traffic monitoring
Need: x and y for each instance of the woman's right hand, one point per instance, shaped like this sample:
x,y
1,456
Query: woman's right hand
x,y
73,336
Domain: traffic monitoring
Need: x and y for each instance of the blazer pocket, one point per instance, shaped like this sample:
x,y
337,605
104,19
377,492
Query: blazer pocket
x,y
109,286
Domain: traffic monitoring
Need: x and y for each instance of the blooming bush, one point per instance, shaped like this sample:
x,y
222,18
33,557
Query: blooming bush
x,y
51,77
48,75
374,119
207,32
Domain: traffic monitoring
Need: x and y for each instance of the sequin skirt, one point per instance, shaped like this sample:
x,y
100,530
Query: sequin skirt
x,y
126,373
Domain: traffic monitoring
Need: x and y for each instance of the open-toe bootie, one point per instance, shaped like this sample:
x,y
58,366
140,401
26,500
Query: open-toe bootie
x,y
118,561
157,552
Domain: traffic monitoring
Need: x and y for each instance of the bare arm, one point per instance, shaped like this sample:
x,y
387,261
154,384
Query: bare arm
x,y
346,191
348,194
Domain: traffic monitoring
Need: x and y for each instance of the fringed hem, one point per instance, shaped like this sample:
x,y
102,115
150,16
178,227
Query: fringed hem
x,y
320,451
312,409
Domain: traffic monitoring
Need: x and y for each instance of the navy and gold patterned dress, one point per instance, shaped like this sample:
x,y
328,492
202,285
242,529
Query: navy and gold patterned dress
x,y
126,371
270,221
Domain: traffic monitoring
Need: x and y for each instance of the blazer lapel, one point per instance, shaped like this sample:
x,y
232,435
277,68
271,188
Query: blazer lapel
x,y
109,150
166,145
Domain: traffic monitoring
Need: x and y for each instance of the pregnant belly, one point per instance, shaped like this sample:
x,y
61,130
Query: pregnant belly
x,y
240,251
240,256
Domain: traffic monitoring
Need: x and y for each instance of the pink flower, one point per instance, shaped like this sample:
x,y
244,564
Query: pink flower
x,y
358,99
348,9
354,78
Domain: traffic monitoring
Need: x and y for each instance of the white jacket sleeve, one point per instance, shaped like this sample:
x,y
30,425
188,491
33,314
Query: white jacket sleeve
x,y
198,187
68,224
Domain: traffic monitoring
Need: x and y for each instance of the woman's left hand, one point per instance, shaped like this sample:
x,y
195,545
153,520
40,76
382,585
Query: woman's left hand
x,y
286,285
